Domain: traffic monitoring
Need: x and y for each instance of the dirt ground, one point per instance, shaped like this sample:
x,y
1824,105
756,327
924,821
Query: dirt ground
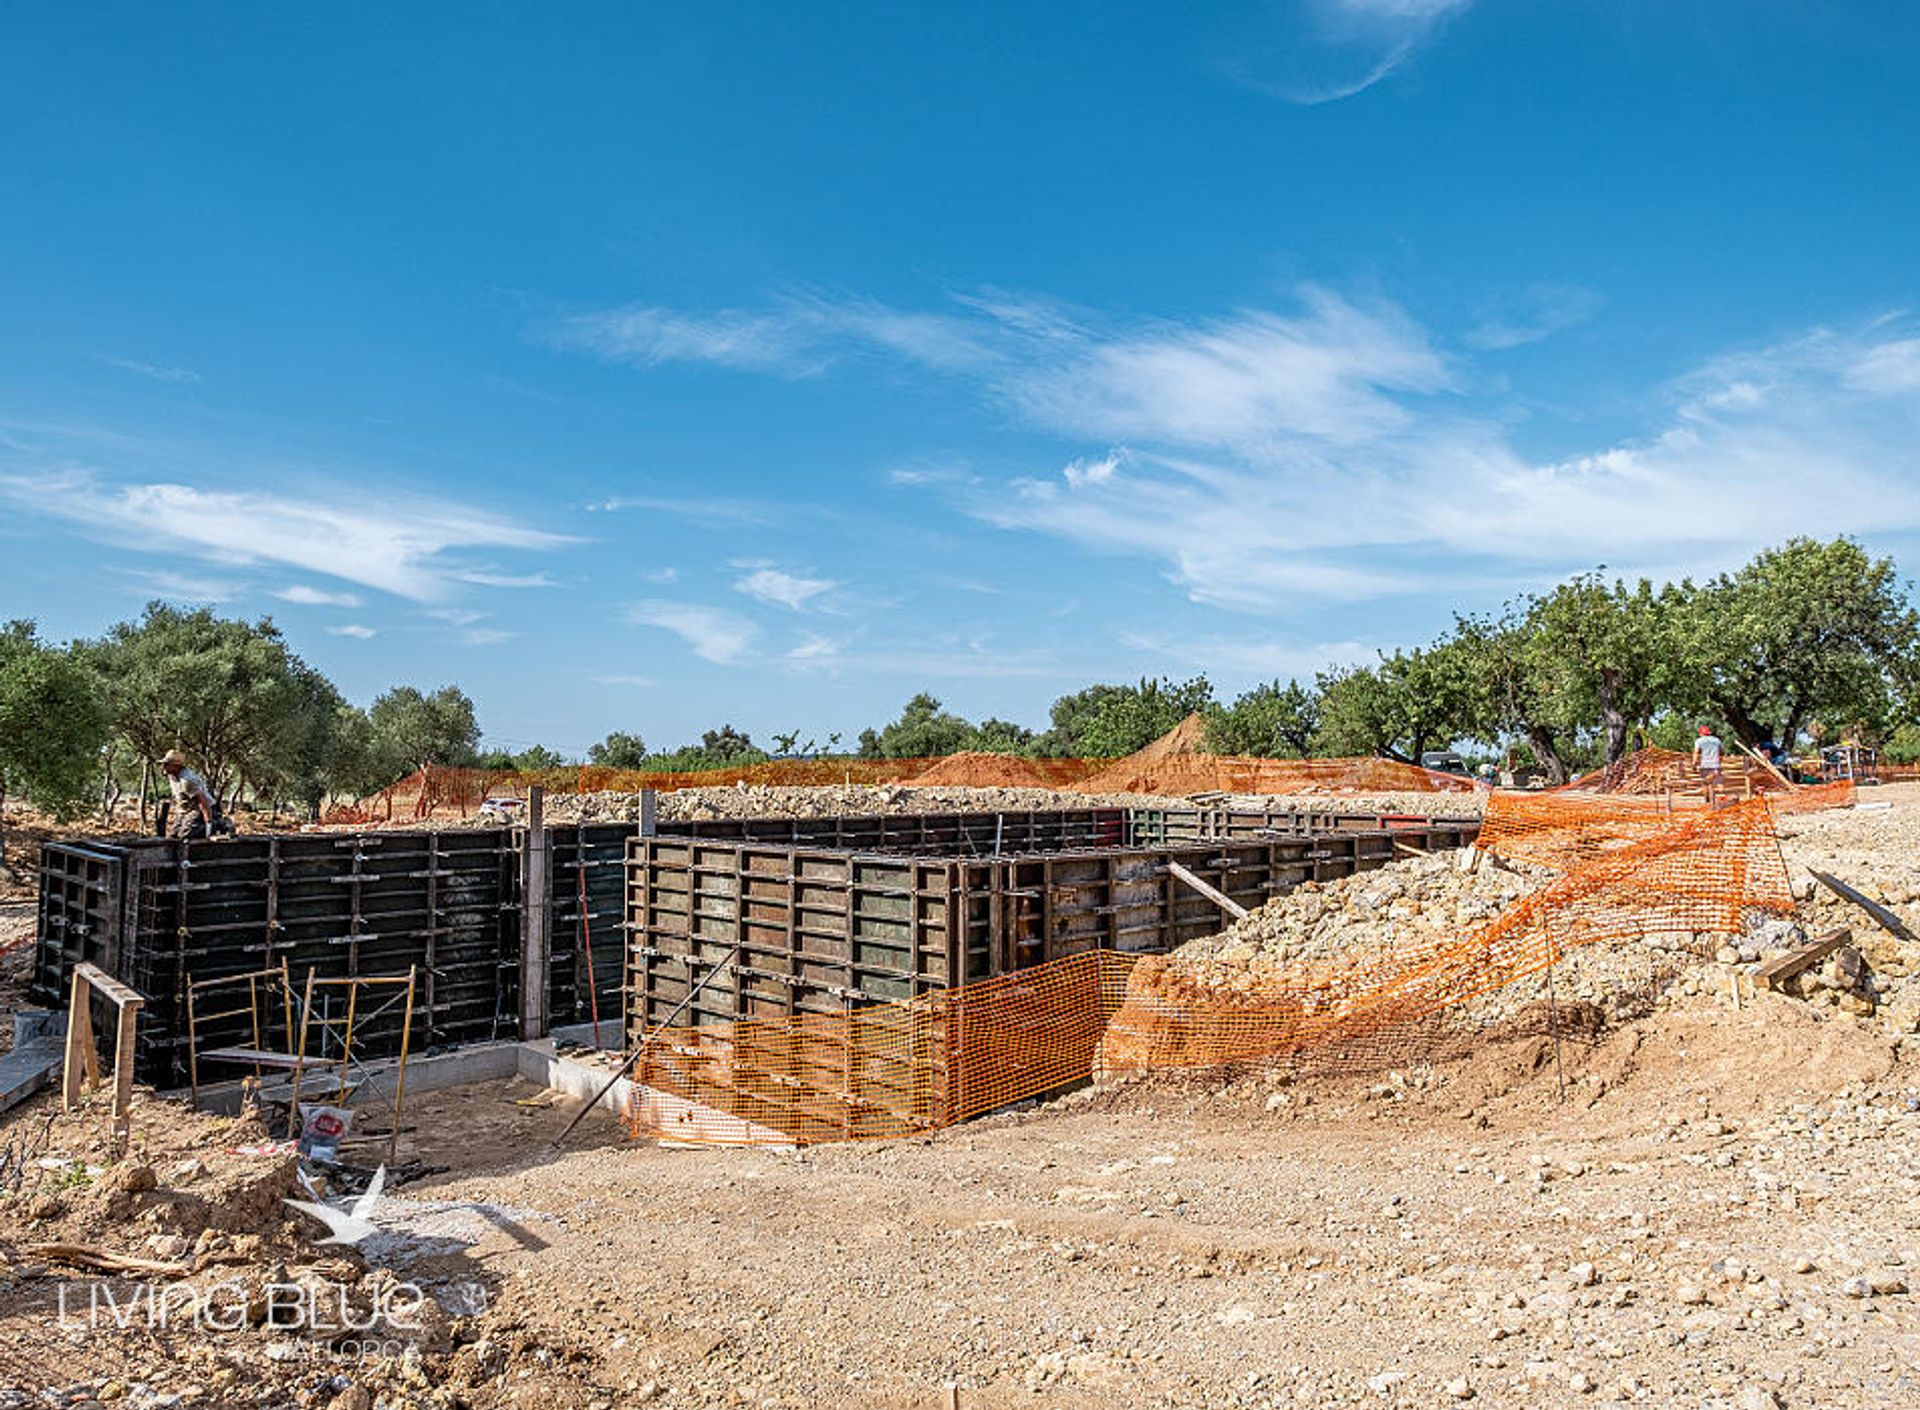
x,y
1704,1206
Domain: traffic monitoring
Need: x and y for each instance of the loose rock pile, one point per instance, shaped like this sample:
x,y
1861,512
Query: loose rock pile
x,y
760,801
1365,917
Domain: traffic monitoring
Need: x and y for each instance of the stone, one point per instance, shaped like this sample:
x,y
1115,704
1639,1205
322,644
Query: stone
x,y
1857,1286
1689,1294
1460,1388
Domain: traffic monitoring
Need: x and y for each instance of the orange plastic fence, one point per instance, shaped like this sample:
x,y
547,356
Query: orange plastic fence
x,y
1663,772
1226,773
897,1069
1567,827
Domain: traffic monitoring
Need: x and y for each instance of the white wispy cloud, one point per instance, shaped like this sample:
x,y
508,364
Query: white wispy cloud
x,y
184,587
1334,448
405,546
1323,367
1252,659
782,589
481,578
1450,499
1320,51
717,512
151,370
1530,314
796,336
352,629
715,633
1244,381
305,595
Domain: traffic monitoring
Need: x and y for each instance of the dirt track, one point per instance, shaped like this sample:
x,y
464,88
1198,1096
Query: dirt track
x,y
1182,1244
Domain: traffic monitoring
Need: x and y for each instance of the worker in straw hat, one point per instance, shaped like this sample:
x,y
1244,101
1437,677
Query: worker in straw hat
x,y
196,812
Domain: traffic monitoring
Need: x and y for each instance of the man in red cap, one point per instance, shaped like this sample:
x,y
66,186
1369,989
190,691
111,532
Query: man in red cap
x,y
1706,758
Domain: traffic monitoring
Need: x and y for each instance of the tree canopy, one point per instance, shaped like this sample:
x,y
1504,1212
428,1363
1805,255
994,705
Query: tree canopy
x,y
53,723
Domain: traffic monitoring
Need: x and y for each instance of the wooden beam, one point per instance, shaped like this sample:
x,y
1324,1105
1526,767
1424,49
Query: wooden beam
x,y
1887,920
1779,970
1219,898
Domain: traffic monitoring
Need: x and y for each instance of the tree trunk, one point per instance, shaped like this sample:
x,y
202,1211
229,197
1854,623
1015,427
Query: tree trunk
x,y
1610,716
1742,724
1548,753
146,777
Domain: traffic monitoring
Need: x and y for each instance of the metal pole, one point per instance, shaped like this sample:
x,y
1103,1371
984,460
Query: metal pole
x,y
400,1082
641,1046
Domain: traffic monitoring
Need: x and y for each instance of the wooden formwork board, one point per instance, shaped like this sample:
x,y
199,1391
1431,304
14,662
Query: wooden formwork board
x,y
827,931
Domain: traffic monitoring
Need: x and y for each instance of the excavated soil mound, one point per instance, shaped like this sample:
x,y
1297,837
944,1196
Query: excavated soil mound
x,y
1178,765
1187,737
974,770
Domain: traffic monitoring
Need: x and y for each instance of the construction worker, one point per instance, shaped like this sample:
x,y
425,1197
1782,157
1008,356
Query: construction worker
x,y
1706,758
196,812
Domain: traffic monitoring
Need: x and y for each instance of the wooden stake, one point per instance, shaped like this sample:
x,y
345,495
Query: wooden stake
x,y
82,1067
400,1081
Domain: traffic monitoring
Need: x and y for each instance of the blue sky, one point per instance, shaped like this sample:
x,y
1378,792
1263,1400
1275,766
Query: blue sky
x,y
645,367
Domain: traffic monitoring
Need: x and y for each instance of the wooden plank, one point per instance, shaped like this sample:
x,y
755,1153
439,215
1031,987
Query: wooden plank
x,y
1779,970
112,988
1219,898
1887,920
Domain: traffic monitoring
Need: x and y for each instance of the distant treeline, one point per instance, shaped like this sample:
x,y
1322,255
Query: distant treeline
x,y
1809,640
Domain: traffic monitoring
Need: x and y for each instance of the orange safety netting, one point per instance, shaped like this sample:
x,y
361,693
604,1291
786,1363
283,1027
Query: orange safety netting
x,y
1566,827
897,1069
1230,773
1656,772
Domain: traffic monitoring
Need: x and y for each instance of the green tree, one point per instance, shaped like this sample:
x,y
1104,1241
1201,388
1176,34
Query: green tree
x,y
1802,632
227,692
1607,650
1108,721
1514,687
619,750
1356,712
412,729
1411,702
1271,721
53,723
923,731
315,752
993,736
723,748
1073,719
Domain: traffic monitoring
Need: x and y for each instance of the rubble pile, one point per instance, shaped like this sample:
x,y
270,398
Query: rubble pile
x,y
836,800
1363,918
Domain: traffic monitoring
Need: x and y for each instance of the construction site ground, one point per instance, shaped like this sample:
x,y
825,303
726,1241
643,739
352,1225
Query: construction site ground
x,y
1703,1205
